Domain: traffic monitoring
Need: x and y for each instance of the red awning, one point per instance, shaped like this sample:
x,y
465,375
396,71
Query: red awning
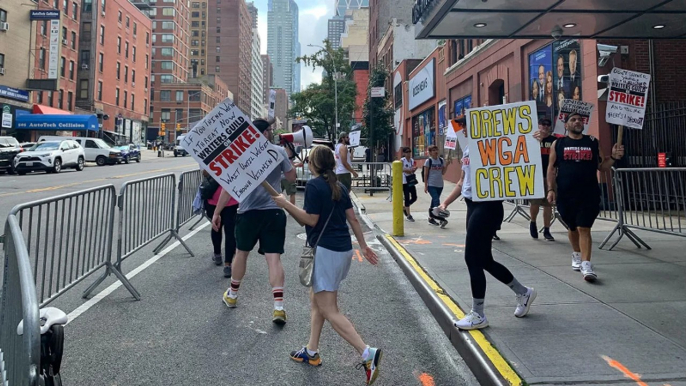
x,y
40,109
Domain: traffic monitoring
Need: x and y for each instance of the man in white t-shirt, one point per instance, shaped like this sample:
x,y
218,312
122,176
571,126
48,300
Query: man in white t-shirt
x,y
344,164
409,182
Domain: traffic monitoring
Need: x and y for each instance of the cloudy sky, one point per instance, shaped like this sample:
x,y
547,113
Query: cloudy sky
x,y
313,22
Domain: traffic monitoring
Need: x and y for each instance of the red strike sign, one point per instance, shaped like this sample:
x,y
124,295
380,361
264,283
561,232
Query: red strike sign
x,y
627,99
231,154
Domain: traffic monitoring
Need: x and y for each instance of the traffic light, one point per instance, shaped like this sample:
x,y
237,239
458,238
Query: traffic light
x,y
178,127
163,129
163,126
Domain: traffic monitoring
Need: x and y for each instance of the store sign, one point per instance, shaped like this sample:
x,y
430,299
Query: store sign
x,y
420,8
6,117
44,15
422,85
13,93
53,57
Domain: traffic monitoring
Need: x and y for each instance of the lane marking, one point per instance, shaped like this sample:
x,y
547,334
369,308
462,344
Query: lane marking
x,y
627,373
501,365
416,241
107,291
359,256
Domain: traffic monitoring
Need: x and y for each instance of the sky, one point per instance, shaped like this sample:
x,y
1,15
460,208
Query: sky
x,y
313,23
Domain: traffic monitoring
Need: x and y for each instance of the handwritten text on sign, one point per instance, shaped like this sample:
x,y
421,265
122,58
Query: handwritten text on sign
x,y
626,102
232,150
505,157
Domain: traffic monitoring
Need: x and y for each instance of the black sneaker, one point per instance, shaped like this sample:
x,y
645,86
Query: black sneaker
x,y
444,223
495,237
433,222
533,230
547,235
218,259
410,218
227,271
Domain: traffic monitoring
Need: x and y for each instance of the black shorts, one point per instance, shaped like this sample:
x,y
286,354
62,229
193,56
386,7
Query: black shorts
x,y
579,212
266,226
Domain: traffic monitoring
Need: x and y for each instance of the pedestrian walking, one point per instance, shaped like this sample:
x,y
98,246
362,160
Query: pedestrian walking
x,y
327,212
227,223
409,182
344,164
573,186
260,219
483,219
546,140
434,169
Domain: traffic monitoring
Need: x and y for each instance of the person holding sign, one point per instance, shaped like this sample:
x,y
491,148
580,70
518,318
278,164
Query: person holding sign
x,y
344,163
573,185
409,182
434,169
483,220
546,139
260,219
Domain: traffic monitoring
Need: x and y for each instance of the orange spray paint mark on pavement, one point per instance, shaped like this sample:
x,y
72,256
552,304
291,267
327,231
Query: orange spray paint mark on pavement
x,y
417,241
627,373
358,255
424,378
453,245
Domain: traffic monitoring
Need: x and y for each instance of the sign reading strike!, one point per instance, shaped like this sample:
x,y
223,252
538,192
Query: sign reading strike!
x,y
626,102
505,158
227,145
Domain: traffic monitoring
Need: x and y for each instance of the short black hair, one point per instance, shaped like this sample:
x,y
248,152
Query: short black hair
x,y
406,149
261,124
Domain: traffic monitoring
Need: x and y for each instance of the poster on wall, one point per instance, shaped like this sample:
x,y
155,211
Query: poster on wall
x,y
460,105
423,133
441,118
626,103
505,158
541,81
567,75
573,106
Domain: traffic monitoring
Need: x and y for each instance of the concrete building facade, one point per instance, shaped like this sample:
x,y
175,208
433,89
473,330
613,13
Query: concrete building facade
x,y
336,26
281,105
198,39
267,77
355,40
381,14
256,90
283,45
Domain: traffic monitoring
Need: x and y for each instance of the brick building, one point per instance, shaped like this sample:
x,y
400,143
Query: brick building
x,y
198,36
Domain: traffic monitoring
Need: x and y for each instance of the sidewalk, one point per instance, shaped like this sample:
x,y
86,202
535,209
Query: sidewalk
x,y
628,325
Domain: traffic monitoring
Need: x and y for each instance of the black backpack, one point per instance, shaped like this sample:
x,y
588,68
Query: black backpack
x,y
207,188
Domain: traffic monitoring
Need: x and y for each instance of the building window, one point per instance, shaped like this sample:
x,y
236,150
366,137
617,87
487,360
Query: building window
x,y
127,22
167,38
71,70
218,59
102,35
216,69
83,89
126,74
132,101
73,40
219,29
194,96
2,60
196,5
116,96
167,65
195,14
135,28
165,115
165,95
74,11
133,54
152,94
39,97
166,79
118,71
100,91
41,59
49,98
168,11
118,45
70,96
179,96
145,105
3,15
133,76
65,7
147,59
218,40
126,49
178,115
147,38
168,25
125,98
60,99
63,65
195,24
64,35
119,17
145,82
218,49
101,61
85,58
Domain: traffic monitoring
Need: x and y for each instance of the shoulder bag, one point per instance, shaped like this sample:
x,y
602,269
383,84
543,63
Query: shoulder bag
x,y
307,257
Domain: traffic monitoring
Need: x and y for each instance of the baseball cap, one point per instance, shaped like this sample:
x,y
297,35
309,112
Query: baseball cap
x,y
342,135
261,124
573,113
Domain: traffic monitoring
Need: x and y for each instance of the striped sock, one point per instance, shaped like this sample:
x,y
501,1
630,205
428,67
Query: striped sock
x,y
278,297
233,290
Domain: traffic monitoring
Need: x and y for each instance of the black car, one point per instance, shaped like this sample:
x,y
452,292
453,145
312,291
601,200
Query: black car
x,y
9,147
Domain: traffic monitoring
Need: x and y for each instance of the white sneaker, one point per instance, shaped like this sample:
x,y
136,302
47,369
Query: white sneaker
x,y
471,321
576,261
524,302
587,271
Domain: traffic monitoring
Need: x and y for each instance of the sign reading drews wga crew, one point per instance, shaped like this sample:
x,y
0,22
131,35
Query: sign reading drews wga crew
x,y
505,157
232,150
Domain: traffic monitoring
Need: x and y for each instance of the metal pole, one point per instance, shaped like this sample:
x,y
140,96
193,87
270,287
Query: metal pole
x,y
397,194
335,83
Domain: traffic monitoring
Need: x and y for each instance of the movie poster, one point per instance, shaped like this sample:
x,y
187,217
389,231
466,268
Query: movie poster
x,y
541,81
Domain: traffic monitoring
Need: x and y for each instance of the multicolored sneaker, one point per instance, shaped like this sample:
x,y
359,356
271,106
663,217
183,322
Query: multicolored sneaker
x,y
279,317
303,357
371,365
229,301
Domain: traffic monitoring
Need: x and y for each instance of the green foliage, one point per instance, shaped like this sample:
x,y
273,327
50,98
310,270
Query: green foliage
x,y
378,112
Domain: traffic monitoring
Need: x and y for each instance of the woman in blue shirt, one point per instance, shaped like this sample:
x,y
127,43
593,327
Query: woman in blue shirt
x,y
326,198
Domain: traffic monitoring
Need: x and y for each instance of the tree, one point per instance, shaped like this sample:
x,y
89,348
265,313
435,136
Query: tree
x,y
317,103
378,112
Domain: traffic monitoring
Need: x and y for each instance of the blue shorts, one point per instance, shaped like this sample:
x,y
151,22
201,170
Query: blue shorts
x,y
330,268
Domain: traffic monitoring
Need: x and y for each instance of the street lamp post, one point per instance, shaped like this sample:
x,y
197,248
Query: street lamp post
x,y
335,85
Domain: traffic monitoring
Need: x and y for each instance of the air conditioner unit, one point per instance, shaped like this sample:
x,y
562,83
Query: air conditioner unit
x,y
65,42
4,26
2,71
84,66
133,84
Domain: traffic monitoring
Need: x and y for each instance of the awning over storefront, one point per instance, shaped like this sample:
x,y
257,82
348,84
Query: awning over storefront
x,y
40,109
56,122
543,19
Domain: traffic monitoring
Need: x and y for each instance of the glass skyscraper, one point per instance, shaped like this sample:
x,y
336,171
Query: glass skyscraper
x,y
283,45
343,5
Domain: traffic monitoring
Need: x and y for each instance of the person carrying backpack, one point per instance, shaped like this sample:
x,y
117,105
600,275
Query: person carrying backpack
x,y
432,175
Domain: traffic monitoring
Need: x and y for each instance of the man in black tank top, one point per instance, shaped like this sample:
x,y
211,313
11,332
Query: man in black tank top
x,y
573,183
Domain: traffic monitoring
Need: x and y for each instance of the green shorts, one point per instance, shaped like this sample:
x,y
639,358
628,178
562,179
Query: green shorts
x,y
346,179
288,188
266,226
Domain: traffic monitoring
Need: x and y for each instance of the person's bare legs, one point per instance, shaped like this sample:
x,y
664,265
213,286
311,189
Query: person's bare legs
x,y
585,243
276,274
533,211
547,215
292,198
574,239
239,265
327,303
316,324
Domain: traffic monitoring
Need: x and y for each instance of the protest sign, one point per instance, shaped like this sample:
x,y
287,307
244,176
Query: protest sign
x,y
458,131
505,158
572,106
450,139
626,102
227,145
272,103
354,138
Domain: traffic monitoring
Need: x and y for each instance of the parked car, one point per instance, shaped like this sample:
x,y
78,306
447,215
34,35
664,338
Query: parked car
x,y
9,148
303,174
27,145
360,154
178,149
51,157
129,152
96,149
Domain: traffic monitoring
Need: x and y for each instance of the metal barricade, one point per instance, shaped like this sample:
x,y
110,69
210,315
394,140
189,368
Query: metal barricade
x,y
649,199
373,177
68,238
19,354
188,187
519,208
608,196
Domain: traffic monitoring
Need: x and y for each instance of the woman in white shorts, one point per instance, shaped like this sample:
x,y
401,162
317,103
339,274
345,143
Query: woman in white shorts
x,y
327,199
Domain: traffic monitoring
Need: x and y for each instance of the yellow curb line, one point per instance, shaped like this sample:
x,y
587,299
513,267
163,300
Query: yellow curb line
x,y
493,355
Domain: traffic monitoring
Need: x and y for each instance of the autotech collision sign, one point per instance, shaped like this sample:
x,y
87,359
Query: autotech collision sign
x,y
422,85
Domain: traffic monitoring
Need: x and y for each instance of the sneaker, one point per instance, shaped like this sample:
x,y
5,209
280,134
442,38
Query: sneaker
x,y
587,271
524,302
218,259
533,230
444,223
227,271
433,222
303,357
371,365
410,218
229,301
495,237
279,317
471,321
576,262
547,235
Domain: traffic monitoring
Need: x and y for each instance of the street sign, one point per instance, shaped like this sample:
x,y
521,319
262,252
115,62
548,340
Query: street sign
x,y
378,92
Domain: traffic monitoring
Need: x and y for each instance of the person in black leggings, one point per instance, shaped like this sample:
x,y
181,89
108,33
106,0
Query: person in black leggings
x,y
483,220
228,216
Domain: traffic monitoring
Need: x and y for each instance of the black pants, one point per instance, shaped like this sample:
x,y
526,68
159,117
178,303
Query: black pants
x,y
410,193
483,220
229,226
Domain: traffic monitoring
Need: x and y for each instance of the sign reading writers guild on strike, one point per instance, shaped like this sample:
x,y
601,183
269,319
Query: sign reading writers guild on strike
x,y
573,106
626,103
227,145
505,157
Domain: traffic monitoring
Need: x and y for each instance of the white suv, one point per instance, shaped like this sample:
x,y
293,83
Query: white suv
x,y
96,150
51,156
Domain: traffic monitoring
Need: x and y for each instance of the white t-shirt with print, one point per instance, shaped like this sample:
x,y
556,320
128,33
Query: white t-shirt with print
x,y
407,164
